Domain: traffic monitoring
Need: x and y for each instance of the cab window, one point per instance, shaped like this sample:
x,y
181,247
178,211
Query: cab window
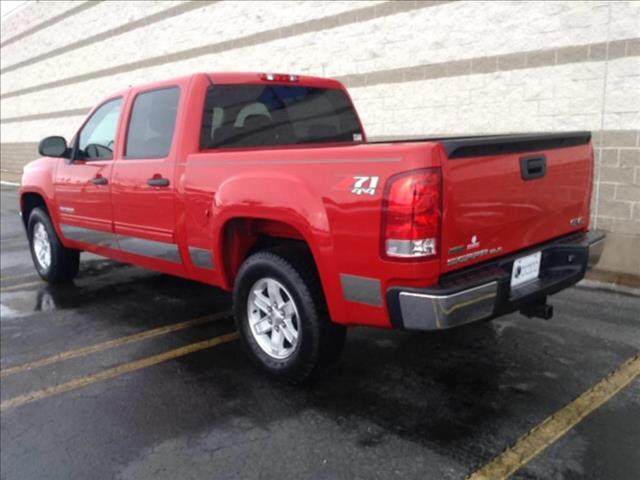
x,y
98,136
152,124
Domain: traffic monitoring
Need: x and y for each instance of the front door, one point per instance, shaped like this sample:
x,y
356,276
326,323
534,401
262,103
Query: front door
x,y
143,186
82,188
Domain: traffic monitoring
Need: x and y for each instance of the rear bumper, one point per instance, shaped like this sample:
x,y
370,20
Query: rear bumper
x,y
484,292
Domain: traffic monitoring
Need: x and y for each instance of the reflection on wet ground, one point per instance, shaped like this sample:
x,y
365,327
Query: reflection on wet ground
x,y
98,279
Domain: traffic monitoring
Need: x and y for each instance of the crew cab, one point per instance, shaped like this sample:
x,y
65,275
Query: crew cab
x,y
266,185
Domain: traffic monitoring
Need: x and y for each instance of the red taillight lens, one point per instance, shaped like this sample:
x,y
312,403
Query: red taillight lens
x,y
411,214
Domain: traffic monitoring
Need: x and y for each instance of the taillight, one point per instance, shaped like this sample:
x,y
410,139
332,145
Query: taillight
x,y
411,214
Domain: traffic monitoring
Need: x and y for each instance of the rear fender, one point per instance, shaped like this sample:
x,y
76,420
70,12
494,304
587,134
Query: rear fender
x,y
279,197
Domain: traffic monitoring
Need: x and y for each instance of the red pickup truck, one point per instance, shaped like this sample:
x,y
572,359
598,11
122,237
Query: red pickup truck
x,y
265,184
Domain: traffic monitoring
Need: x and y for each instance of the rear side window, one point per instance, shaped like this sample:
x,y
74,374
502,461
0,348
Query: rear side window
x,y
255,115
152,124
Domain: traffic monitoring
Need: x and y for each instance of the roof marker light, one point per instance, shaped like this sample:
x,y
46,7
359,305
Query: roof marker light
x,y
279,77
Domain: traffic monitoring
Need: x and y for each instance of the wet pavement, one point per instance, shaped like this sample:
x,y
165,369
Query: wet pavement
x,y
398,405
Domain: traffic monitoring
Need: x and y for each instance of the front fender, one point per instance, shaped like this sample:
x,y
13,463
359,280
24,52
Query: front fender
x,y
37,177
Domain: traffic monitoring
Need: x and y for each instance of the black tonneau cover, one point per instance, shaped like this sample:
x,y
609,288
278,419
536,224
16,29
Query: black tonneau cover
x,y
484,145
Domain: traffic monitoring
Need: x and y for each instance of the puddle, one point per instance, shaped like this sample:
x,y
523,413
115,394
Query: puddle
x,y
7,312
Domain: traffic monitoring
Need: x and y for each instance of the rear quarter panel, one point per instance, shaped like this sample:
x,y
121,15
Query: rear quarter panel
x,y
310,189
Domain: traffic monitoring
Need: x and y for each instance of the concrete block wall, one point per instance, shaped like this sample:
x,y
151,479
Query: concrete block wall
x,y
414,68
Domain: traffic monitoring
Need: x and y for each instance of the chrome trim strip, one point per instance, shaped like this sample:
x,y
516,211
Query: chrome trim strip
x,y
149,248
421,311
89,235
361,289
201,257
138,246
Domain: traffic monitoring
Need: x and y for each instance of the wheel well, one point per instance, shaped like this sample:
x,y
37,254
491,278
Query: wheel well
x,y
243,237
28,202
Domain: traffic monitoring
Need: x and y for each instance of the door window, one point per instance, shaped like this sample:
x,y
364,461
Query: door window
x,y
98,136
153,121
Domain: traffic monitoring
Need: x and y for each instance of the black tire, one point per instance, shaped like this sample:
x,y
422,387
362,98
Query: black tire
x,y
320,341
64,262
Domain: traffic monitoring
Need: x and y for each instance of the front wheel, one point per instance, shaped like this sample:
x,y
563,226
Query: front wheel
x,y
281,315
53,261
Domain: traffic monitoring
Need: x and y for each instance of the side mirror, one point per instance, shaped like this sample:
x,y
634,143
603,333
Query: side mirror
x,y
53,147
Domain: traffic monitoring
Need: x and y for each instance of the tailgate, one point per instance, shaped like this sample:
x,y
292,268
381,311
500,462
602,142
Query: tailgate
x,y
507,193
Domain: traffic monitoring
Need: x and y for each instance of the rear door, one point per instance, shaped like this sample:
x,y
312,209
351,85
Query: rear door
x,y
143,186
499,203
82,189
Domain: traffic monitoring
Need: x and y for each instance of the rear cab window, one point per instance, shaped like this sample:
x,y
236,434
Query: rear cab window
x,y
152,123
269,115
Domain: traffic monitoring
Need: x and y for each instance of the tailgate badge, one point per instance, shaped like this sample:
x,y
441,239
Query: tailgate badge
x,y
575,222
474,243
456,249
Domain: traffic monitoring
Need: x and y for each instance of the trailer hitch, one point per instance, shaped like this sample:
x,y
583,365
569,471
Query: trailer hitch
x,y
538,309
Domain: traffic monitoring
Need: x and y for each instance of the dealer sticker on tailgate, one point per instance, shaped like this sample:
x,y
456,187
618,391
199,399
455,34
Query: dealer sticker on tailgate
x,y
525,269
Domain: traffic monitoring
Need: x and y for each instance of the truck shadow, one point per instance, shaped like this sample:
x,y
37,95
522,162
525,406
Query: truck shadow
x,y
435,389
431,388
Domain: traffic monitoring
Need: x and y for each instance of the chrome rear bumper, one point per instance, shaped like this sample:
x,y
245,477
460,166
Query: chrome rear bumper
x,y
484,292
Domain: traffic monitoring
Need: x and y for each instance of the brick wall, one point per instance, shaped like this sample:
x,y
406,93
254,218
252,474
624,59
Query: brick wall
x,y
616,201
414,68
14,155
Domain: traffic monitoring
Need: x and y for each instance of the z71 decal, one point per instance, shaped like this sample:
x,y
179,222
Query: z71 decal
x,y
365,185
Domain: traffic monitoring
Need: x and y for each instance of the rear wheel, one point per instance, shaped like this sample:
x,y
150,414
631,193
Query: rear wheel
x,y
53,261
273,318
282,317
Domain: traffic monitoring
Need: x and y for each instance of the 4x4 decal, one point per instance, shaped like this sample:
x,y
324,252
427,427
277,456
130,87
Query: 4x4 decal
x,y
365,185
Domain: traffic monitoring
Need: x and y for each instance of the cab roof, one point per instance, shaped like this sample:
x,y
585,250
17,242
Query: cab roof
x,y
245,78
222,78
259,77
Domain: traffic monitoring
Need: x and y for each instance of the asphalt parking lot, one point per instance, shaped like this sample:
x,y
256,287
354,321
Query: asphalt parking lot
x,y
132,374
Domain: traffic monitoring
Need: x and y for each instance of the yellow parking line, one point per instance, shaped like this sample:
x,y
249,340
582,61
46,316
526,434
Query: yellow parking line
x,y
554,427
116,371
20,286
14,277
98,347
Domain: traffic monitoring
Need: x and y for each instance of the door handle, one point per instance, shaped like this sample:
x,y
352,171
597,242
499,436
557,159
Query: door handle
x,y
533,167
99,180
158,182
